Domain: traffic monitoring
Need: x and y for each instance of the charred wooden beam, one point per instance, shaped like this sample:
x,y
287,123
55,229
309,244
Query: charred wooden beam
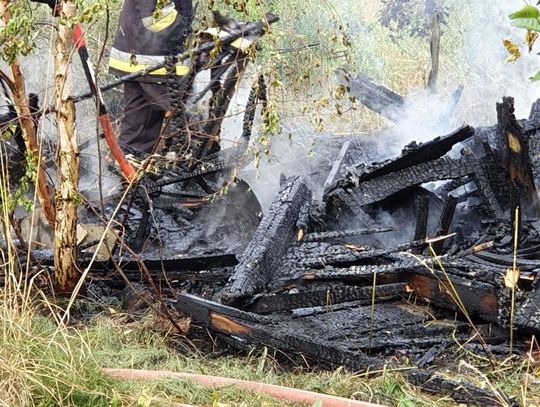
x,y
392,266
242,328
342,334
532,130
445,221
505,261
322,236
273,238
516,161
186,263
447,291
414,154
361,275
527,316
482,175
462,392
173,278
364,186
376,97
320,255
422,217
314,298
372,190
345,154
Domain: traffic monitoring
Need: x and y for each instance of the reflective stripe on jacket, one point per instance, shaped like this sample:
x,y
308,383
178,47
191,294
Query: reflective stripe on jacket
x,y
145,36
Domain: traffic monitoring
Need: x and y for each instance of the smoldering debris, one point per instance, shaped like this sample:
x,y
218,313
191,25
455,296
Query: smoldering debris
x,y
356,262
324,280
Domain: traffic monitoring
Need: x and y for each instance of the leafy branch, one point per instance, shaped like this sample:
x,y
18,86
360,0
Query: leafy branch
x,y
527,18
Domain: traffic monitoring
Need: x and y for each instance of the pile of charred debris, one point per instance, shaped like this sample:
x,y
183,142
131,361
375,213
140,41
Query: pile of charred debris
x,y
382,271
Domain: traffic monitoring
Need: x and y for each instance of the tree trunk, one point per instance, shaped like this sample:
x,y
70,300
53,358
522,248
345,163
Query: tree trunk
x,y
65,237
29,131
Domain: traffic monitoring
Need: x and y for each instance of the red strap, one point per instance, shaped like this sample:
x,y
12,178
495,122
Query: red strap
x,y
78,36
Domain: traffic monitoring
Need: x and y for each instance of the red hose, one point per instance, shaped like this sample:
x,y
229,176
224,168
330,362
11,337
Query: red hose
x,y
279,392
125,166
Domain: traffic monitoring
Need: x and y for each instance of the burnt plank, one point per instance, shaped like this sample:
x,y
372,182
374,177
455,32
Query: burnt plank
x,y
273,238
527,316
517,162
337,166
422,217
445,221
197,263
462,391
506,260
376,97
244,328
415,154
314,298
339,234
447,291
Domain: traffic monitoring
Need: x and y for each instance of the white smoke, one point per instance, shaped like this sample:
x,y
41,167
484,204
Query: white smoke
x,y
486,76
480,57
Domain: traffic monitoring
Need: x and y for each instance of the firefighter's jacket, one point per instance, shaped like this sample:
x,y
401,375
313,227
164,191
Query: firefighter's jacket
x,y
148,32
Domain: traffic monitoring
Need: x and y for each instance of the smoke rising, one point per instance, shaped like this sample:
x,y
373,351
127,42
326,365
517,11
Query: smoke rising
x,y
472,56
479,65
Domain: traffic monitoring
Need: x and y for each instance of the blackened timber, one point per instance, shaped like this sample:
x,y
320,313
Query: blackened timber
x,y
316,298
415,154
397,267
376,189
322,236
516,160
359,274
462,392
185,263
467,296
532,131
480,173
422,217
374,96
273,238
319,255
245,328
350,195
336,167
445,221
507,260
527,316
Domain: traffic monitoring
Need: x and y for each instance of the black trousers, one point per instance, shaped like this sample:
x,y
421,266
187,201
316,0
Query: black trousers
x,y
145,104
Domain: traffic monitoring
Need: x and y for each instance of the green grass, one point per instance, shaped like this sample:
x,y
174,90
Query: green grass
x,y
42,364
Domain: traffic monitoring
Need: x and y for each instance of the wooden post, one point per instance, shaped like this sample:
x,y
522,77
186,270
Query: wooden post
x,y
435,48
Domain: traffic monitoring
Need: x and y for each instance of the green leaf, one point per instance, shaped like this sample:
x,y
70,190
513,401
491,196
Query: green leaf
x,y
531,24
535,77
528,18
526,12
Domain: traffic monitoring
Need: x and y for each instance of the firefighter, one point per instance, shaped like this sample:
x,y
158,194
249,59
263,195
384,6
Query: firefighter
x,y
149,31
